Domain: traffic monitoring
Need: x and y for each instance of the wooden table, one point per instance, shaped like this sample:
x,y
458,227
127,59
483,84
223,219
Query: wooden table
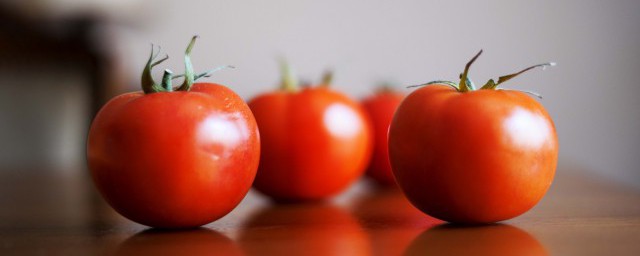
x,y
59,213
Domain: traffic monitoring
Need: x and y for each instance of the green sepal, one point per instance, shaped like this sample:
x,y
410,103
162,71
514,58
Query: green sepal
x,y
147,82
189,76
492,84
289,83
444,82
464,86
327,78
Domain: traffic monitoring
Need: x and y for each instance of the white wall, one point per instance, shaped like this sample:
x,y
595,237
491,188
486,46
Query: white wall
x,y
591,94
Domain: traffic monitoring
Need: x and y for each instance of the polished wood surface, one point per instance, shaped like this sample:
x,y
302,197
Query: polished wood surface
x,y
59,213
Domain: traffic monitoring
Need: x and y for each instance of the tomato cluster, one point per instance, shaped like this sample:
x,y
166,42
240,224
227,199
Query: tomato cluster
x,y
178,157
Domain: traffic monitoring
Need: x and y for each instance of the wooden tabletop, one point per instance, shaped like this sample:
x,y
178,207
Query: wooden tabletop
x,y
59,213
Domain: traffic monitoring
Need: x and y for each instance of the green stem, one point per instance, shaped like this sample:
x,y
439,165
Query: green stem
x,y
289,83
166,80
150,86
466,84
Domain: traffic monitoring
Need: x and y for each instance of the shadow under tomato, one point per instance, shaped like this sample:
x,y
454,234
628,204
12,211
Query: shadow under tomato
x,y
390,219
303,229
201,241
494,239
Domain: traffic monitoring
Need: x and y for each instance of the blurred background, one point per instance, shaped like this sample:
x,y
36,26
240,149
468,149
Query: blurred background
x,y
60,60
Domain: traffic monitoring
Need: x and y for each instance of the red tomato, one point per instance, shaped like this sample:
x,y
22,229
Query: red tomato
x,y
380,108
472,156
174,159
315,142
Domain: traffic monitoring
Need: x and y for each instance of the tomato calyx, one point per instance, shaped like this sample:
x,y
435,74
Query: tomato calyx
x,y
466,84
290,83
327,78
150,86
385,87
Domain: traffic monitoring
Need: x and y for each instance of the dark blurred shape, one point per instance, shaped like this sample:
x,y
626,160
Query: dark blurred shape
x,y
25,39
55,73
199,241
303,229
496,239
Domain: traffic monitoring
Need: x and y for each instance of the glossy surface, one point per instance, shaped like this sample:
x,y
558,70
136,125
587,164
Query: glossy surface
x,y
58,212
178,159
303,229
380,108
315,143
476,157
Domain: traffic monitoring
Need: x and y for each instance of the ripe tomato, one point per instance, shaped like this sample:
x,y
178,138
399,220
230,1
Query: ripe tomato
x,y
315,142
380,109
473,156
174,159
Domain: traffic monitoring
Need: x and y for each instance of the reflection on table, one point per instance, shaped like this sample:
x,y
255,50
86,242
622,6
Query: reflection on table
x,y
63,215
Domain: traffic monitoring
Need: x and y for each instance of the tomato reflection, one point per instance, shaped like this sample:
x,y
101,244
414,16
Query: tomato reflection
x,y
200,241
497,239
392,222
303,229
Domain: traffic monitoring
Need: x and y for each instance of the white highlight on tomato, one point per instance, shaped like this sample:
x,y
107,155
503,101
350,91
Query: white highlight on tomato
x,y
221,132
342,121
527,129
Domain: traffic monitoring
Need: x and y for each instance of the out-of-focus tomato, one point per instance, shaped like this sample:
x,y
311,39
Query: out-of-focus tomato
x,y
380,107
174,159
473,156
315,141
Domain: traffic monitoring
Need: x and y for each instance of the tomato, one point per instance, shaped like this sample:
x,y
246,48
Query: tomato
x,y
472,156
315,142
380,108
174,159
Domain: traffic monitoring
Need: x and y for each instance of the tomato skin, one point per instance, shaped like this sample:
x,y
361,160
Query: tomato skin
x,y
475,157
315,143
174,159
380,109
